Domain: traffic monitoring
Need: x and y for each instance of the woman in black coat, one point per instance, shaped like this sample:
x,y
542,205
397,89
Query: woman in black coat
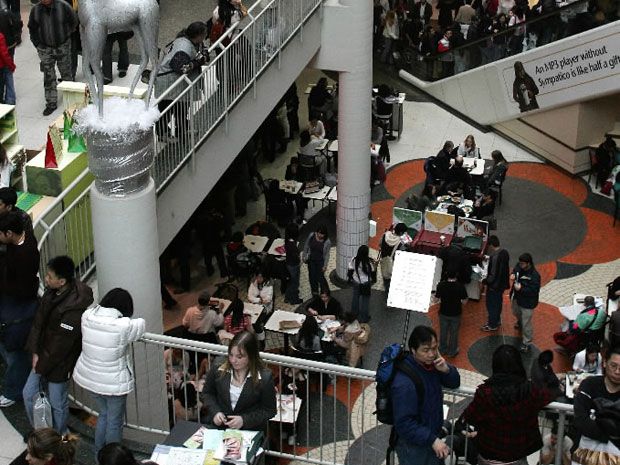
x,y
240,393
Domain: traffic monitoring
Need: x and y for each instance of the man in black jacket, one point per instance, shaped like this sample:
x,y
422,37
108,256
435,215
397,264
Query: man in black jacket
x,y
18,302
56,339
497,281
525,292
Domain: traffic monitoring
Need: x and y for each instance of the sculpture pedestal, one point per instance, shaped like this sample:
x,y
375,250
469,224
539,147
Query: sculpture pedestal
x,y
124,217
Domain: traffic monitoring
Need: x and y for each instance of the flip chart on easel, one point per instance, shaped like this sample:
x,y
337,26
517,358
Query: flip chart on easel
x,y
414,277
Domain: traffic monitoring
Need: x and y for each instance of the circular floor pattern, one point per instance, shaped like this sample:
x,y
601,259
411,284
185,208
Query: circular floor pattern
x,y
533,218
480,352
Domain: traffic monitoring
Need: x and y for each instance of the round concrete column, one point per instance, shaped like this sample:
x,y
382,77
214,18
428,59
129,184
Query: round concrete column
x,y
127,249
354,119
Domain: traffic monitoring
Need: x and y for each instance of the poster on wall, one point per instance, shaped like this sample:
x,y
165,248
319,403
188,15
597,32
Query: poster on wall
x,y
545,80
414,276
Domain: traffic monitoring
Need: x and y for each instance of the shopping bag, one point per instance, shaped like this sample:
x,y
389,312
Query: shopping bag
x,y
41,411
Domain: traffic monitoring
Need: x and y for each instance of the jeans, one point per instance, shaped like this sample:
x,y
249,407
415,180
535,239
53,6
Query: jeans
x,y
17,363
316,276
411,454
292,288
449,334
110,420
9,86
359,304
386,53
524,319
57,396
494,307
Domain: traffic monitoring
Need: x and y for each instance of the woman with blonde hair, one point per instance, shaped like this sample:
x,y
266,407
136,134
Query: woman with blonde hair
x,y
468,148
240,393
390,36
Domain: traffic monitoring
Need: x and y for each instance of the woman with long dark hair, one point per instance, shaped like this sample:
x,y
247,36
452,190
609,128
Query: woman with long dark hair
x,y
240,393
361,271
505,411
235,321
46,446
309,338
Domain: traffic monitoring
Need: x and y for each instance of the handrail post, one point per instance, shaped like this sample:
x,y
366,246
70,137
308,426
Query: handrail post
x,y
191,123
254,59
559,448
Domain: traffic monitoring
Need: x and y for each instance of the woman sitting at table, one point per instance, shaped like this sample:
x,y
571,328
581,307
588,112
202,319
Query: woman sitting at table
x,y
261,291
344,334
316,127
235,322
468,148
498,173
240,393
589,360
308,145
309,336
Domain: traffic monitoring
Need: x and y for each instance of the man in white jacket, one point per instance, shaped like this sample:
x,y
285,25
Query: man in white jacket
x,y
104,367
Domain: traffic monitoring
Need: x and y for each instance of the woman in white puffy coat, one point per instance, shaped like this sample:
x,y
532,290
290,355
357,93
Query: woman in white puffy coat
x,y
104,367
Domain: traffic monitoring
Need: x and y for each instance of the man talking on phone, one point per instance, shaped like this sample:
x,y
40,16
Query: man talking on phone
x,y
417,424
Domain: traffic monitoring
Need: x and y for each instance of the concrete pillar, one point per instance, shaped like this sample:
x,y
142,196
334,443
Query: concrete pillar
x,y
127,249
354,119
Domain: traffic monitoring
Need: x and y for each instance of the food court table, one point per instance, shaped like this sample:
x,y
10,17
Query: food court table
x,y
291,187
273,324
320,195
288,408
475,166
254,310
255,244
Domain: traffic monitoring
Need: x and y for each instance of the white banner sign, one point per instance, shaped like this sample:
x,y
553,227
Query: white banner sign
x,y
414,277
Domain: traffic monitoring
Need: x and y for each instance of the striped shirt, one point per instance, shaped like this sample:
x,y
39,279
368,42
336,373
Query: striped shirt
x,y
51,26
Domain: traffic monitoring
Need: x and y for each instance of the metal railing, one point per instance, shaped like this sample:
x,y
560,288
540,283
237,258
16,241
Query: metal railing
x,y
191,109
334,422
489,47
65,228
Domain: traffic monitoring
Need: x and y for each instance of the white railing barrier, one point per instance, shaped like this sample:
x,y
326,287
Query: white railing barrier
x,y
335,424
200,105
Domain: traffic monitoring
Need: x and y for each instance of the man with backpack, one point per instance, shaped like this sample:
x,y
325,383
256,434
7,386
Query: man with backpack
x,y
417,400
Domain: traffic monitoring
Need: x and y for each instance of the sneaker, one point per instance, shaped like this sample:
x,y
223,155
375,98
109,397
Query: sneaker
x,y
122,74
488,328
49,109
524,348
6,402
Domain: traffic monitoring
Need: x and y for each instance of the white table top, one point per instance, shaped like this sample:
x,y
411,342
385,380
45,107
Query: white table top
x,y
291,187
319,195
333,146
254,310
478,169
273,324
274,245
333,195
322,145
255,244
288,408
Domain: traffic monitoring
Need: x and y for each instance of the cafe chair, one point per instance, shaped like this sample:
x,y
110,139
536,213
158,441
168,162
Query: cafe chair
x,y
310,167
318,356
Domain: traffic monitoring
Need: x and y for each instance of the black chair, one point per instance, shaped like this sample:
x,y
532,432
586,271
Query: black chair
x,y
309,166
313,377
383,115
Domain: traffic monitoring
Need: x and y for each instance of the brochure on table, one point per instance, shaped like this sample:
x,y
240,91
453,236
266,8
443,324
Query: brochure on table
x,y
414,276
210,447
411,218
438,222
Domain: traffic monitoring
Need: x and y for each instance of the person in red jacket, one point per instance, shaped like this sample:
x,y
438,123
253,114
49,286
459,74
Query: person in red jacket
x,y
7,68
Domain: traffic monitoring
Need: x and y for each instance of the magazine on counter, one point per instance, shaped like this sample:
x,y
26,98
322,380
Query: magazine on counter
x,y
235,446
